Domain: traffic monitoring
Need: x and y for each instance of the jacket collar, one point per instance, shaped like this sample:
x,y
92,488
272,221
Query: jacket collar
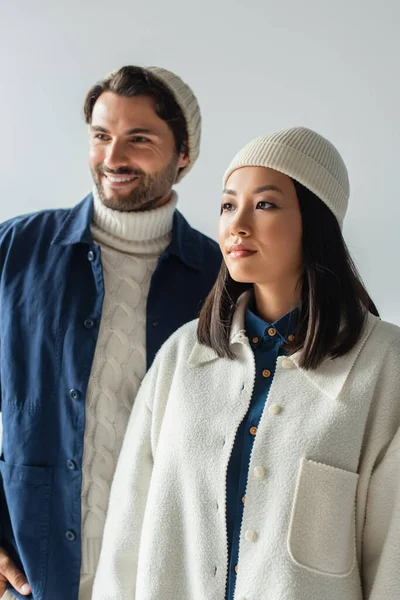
x,y
329,377
76,227
203,354
332,374
184,243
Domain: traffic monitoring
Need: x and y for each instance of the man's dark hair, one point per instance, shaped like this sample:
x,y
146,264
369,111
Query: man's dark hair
x,y
134,81
334,302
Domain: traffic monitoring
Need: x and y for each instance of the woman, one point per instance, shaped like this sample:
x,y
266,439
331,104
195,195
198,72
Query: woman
x,y
262,458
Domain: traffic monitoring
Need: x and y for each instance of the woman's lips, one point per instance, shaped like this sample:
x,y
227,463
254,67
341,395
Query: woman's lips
x,y
239,252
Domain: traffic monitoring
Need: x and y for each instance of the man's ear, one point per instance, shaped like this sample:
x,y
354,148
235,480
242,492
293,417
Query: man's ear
x,y
183,161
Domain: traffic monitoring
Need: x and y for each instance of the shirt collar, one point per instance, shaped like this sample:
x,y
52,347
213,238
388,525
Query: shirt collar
x,y
186,242
256,327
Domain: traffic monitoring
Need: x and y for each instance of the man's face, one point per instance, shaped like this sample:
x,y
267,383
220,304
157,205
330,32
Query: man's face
x,y
133,156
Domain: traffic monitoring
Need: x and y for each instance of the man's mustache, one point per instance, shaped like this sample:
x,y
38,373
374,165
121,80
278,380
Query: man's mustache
x,y
121,171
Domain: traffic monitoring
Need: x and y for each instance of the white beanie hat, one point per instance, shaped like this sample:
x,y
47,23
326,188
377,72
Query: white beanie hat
x,y
305,156
187,102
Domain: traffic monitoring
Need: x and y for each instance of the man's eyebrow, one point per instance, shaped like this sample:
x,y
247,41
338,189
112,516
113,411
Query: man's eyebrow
x,y
98,128
135,131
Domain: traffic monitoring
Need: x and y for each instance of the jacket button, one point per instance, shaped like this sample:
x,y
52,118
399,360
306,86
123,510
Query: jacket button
x,y
70,535
253,430
275,409
266,373
71,465
89,323
250,535
90,256
259,472
74,394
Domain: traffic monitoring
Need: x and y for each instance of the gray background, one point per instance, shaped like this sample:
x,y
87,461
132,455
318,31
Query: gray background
x,y
255,66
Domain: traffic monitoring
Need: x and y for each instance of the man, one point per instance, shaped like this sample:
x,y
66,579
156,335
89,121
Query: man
x,y
87,297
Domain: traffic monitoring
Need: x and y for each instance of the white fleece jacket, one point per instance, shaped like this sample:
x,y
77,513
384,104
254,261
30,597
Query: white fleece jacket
x,y
321,517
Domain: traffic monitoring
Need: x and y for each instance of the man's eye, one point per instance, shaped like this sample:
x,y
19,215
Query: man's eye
x,y
139,139
100,136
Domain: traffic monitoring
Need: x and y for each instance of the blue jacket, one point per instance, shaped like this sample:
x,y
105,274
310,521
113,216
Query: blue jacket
x,y
51,295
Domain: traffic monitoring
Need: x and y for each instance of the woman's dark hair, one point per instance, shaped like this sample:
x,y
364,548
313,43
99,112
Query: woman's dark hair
x,y
134,81
334,302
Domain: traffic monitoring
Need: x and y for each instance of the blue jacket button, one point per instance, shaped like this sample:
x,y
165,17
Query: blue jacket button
x,y
74,394
89,323
70,535
90,256
71,465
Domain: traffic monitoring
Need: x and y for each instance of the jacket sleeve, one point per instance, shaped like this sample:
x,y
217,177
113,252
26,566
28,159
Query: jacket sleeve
x,y
116,574
381,543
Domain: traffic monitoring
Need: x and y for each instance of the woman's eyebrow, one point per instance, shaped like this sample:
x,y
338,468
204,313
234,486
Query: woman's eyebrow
x,y
263,188
267,188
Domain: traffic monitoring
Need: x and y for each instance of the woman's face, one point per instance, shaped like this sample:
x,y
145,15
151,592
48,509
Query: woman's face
x,y
260,227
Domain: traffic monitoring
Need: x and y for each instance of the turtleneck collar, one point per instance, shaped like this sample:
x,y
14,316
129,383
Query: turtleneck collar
x,y
135,226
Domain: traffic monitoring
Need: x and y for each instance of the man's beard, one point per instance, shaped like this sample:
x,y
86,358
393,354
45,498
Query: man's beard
x,y
148,193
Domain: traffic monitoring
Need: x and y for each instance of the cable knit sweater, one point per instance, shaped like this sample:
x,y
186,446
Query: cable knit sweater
x,y
130,246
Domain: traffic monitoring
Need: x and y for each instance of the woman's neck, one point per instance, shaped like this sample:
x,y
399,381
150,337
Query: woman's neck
x,y
275,300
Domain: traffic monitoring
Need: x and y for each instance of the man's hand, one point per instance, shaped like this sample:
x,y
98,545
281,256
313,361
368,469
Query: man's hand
x,y
10,574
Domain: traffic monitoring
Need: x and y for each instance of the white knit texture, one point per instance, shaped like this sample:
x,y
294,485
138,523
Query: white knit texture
x,y
305,156
187,101
120,358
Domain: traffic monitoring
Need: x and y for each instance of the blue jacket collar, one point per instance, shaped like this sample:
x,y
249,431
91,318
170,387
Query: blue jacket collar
x,y
183,245
76,229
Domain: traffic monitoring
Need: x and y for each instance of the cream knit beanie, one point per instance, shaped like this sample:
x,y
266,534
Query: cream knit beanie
x,y
304,156
187,102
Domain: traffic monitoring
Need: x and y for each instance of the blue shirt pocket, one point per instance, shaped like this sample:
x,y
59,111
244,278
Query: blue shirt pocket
x,y
25,519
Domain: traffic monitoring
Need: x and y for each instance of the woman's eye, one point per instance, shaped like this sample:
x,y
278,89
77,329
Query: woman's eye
x,y
263,204
226,207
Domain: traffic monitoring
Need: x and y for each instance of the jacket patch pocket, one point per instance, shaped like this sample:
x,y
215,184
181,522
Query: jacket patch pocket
x,y
322,534
26,498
